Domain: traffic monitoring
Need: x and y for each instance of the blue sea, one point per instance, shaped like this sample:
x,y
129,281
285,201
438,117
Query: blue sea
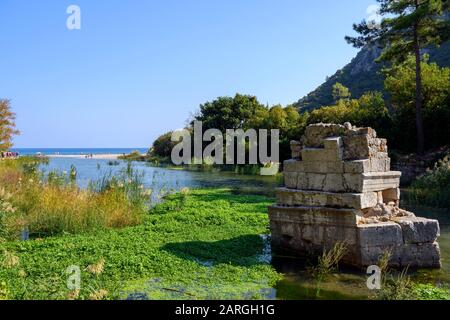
x,y
76,151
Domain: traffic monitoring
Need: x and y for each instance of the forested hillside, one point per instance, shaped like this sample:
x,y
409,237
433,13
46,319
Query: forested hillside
x,y
362,74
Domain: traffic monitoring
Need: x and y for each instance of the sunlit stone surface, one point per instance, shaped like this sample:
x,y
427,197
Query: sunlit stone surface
x,y
339,187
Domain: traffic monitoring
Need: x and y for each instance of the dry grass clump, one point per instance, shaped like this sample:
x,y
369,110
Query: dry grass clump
x,y
98,295
73,294
55,210
96,268
10,260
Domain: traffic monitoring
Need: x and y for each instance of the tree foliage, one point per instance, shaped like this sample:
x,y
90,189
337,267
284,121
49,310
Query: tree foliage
x,y
405,24
363,74
162,146
369,110
290,123
400,83
396,122
7,125
230,112
340,92
407,27
243,112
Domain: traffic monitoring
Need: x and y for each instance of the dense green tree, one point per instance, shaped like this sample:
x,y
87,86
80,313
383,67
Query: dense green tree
x,y
291,124
162,146
7,125
406,27
400,83
340,92
243,112
229,112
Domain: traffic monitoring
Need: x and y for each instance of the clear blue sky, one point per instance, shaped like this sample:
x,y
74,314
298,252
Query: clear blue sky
x,y
138,68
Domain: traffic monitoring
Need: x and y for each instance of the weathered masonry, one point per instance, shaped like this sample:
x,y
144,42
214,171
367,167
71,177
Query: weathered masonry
x,y
339,187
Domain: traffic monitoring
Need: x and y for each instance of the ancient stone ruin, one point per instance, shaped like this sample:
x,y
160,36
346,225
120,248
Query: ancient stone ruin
x,y
339,187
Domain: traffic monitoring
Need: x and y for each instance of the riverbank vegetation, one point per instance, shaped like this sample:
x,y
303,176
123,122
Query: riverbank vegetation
x,y
432,188
195,245
134,156
398,285
44,205
198,244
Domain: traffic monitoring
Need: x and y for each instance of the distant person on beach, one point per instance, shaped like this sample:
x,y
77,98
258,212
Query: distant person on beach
x,y
9,154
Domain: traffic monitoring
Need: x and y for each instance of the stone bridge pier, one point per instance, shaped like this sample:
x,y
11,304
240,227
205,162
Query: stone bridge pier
x,y
339,187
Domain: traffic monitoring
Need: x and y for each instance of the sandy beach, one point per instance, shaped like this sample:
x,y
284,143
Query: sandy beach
x,y
83,156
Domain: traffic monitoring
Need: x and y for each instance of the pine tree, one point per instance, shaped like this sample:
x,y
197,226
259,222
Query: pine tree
x,y
7,125
407,26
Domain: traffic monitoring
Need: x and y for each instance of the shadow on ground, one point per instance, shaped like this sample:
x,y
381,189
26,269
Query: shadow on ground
x,y
240,251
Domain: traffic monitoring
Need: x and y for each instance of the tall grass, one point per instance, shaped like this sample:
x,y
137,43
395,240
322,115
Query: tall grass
x,y
53,204
398,285
327,263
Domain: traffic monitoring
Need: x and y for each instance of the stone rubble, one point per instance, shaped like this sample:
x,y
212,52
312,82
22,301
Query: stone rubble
x,y
339,187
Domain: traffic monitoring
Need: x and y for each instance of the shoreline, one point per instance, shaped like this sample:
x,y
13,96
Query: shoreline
x,y
85,156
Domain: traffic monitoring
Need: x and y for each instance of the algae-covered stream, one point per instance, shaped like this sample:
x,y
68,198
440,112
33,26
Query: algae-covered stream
x,y
227,259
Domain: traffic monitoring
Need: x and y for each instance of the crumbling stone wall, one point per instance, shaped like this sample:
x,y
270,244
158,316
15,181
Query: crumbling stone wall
x,y
339,187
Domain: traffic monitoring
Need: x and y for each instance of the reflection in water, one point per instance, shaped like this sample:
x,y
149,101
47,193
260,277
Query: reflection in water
x,y
351,283
297,284
443,216
162,180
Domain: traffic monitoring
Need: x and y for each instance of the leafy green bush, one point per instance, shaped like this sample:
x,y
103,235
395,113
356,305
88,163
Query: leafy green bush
x,y
134,156
162,146
432,188
367,111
